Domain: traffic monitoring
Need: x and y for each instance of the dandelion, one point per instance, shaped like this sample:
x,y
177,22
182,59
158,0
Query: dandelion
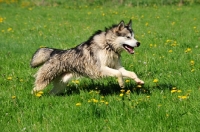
x,y
106,103
151,45
76,81
121,95
172,23
188,50
13,97
192,63
1,19
78,104
139,86
179,91
146,24
182,97
122,90
168,40
155,80
148,96
173,91
9,29
127,81
170,51
128,91
38,94
95,100
9,78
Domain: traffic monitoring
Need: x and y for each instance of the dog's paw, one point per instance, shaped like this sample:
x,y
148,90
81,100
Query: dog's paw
x,y
138,81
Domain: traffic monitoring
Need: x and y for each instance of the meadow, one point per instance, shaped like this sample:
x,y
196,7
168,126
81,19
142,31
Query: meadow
x,y
168,60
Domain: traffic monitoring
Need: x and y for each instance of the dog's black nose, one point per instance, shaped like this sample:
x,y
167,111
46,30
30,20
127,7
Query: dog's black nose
x,y
138,44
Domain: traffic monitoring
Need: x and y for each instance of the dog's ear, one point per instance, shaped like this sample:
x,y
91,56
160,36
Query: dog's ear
x,y
121,25
130,24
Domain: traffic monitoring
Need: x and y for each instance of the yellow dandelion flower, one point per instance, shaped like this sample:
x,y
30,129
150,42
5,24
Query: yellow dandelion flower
x,y
9,78
38,94
168,40
179,91
155,80
151,45
1,19
13,97
139,86
121,95
174,88
170,51
76,81
106,103
95,101
127,81
9,29
122,90
146,24
89,101
173,91
182,97
128,91
78,104
191,62
188,50
173,23
148,96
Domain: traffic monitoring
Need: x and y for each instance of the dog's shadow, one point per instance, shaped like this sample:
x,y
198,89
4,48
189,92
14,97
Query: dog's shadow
x,y
112,88
106,89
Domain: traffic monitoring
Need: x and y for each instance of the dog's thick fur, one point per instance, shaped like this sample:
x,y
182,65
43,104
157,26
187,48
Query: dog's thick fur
x,y
99,56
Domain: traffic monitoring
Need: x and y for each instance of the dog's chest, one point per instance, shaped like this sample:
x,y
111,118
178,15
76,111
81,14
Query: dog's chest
x,y
110,59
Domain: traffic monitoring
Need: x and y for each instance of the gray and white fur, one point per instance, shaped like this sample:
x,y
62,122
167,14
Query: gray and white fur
x,y
98,57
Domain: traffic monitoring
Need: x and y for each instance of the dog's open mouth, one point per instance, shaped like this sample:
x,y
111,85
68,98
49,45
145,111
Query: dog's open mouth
x,y
128,48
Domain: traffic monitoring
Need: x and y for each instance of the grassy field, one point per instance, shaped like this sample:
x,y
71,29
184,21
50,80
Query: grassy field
x,y
168,60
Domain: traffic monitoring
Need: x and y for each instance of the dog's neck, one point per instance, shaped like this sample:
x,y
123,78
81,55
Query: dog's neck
x,y
109,47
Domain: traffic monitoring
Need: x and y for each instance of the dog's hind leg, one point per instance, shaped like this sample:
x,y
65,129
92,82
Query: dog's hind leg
x,y
59,83
106,71
44,76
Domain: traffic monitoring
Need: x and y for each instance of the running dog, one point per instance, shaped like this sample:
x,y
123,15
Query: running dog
x,y
97,57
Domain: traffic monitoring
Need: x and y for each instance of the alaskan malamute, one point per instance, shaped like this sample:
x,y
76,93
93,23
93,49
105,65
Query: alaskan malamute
x,y
99,56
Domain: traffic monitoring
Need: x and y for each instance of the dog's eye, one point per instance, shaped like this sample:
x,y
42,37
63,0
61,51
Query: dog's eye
x,y
128,37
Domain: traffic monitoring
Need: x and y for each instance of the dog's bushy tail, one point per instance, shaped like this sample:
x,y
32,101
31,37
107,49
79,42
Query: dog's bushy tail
x,y
41,56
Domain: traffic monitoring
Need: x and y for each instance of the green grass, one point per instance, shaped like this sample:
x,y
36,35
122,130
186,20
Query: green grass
x,y
169,52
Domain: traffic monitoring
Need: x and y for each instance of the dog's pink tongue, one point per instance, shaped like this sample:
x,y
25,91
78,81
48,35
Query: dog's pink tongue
x,y
130,49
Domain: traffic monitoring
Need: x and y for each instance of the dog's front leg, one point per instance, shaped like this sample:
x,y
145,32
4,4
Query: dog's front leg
x,y
106,71
131,75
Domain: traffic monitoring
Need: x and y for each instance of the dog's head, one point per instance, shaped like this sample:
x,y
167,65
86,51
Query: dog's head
x,y
125,37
